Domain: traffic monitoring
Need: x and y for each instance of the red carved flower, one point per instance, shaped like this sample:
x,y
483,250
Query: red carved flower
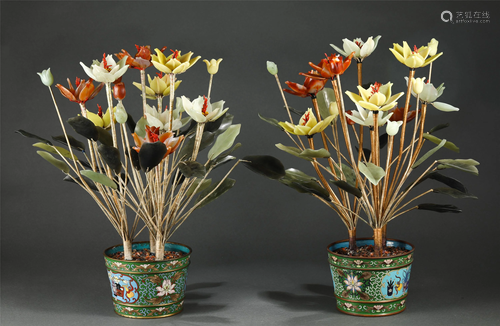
x,y
310,87
398,114
153,135
85,90
330,67
141,60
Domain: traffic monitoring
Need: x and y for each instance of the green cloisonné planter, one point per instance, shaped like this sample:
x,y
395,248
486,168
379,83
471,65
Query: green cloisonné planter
x,y
148,289
370,286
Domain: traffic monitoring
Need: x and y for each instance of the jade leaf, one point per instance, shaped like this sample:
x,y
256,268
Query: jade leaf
x,y
349,174
453,193
266,165
104,136
135,158
84,127
303,183
271,121
439,127
449,145
325,96
347,187
222,187
111,155
428,154
90,183
56,150
99,178
227,120
192,169
204,184
213,126
371,171
140,127
316,153
439,208
449,181
130,123
151,154
74,143
292,150
224,157
297,112
206,140
61,165
30,135
467,165
224,141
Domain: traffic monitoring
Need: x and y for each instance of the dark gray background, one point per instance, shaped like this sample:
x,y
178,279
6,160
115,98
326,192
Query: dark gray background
x,y
259,253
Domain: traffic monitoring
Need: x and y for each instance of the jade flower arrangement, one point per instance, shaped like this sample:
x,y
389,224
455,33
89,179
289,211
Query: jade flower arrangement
x,y
365,147
143,169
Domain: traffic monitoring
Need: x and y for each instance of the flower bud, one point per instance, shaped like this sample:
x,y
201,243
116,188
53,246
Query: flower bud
x,y
272,68
417,85
433,47
46,77
393,127
212,65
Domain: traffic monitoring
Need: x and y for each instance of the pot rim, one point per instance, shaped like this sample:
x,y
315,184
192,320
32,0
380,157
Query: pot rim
x,y
352,257
156,261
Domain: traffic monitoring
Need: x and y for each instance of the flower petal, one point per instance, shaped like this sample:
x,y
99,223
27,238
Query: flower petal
x,y
444,107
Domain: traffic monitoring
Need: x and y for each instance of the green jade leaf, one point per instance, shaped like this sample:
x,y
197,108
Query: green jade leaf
x,y
75,144
428,154
325,97
55,149
204,185
292,150
371,171
271,121
222,187
61,165
266,165
467,165
192,169
99,178
224,141
453,193
449,145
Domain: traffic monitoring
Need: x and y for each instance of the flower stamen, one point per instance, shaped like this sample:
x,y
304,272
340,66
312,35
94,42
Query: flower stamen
x,y
205,106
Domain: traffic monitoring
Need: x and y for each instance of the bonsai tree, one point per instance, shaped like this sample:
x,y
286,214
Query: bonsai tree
x,y
149,168
367,184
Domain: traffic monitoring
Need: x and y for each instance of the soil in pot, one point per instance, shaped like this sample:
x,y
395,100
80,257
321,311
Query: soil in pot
x,y
146,255
367,251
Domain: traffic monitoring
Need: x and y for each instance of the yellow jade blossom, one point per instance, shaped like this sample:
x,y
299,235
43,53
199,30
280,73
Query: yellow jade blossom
x,y
418,57
433,47
158,86
174,63
212,65
103,122
308,125
377,97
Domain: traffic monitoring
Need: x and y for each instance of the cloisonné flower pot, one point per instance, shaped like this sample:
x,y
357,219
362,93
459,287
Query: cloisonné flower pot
x,y
148,289
370,286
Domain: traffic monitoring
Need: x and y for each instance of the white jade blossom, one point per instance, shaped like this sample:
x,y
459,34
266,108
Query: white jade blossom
x,y
160,120
106,71
361,49
430,94
201,110
365,117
